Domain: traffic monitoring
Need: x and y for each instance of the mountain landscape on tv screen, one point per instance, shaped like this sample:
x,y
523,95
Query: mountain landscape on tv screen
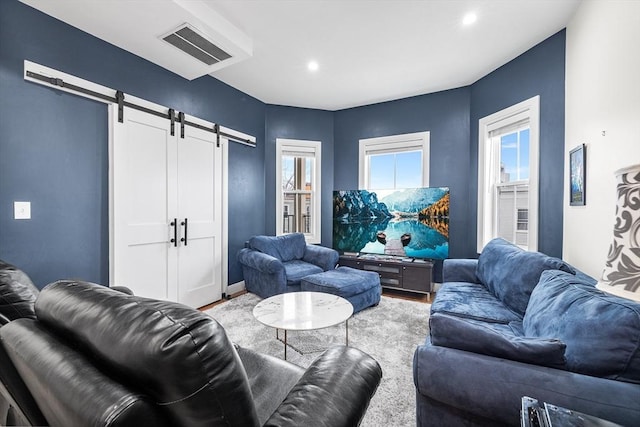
x,y
410,222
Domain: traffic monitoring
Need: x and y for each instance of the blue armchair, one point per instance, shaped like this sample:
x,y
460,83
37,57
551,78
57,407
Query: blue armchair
x,y
273,265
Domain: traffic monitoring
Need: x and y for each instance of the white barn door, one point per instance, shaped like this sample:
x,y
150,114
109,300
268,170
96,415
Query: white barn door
x,y
199,176
166,210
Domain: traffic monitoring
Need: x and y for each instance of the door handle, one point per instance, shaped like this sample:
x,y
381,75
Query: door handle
x,y
175,232
184,239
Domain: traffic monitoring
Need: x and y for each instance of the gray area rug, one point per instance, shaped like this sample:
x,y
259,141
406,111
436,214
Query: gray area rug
x,y
388,332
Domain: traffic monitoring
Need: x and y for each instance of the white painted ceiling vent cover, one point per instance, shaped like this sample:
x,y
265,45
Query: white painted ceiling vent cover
x,y
189,40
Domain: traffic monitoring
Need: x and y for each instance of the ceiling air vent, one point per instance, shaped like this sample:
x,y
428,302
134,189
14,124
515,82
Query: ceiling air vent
x,y
188,40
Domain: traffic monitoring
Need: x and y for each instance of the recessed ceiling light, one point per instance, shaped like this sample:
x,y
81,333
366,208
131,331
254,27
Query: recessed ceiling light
x,y
469,18
312,66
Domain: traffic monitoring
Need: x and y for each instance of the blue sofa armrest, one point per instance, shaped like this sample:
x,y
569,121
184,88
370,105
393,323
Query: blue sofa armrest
x,y
477,386
263,274
325,258
260,261
460,270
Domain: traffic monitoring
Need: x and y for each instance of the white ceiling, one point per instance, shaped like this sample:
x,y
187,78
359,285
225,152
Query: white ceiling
x,y
368,50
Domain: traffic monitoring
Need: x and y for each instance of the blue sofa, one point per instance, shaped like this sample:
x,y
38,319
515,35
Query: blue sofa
x,y
273,265
515,323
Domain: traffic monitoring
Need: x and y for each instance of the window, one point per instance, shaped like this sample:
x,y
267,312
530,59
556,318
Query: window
x,y
298,188
523,220
508,175
399,161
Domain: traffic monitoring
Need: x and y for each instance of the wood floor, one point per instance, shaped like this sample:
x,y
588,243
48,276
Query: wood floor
x,y
410,296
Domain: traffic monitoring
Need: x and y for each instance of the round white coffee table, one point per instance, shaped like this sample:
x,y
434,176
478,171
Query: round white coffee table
x,y
303,311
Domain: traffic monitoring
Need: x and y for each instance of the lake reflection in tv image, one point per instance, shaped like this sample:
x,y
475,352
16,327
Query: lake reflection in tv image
x,y
408,222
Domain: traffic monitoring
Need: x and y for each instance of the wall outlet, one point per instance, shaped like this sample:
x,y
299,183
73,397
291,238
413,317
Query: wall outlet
x,y
22,210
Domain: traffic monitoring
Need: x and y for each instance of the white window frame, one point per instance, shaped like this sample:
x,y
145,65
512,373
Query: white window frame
x,y
296,145
487,166
393,144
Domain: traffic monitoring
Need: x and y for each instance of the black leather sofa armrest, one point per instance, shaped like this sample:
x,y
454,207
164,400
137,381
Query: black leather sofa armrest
x,y
67,387
270,379
4,319
20,407
334,391
122,289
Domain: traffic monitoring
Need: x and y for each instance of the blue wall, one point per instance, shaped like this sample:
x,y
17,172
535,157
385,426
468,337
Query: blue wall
x,y
452,118
53,145
539,71
307,124
53,149
445,115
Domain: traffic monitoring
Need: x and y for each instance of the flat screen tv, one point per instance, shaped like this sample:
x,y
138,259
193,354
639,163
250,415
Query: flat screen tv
x,y
411,222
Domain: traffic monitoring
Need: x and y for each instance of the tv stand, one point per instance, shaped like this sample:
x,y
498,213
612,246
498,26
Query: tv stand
x,y
400,273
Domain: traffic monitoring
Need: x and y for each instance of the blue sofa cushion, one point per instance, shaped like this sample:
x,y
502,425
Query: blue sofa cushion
x,y
511,273
286,248
297,269
495,339
601,331
471,301
460,270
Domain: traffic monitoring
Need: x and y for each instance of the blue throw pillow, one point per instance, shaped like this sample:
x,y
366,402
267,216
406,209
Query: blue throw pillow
x,y
601,331
511,273
494,339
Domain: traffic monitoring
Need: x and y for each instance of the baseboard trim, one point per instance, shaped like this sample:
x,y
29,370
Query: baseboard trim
x,y
234,288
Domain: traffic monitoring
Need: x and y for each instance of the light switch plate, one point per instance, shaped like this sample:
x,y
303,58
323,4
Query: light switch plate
x,y
22,210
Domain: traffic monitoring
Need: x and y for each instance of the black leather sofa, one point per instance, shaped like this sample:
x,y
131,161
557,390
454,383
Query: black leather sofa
x,y
17,299
17,294
90,355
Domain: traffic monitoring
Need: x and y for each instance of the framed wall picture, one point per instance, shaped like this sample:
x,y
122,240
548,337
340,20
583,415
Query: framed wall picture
x,y
578,176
